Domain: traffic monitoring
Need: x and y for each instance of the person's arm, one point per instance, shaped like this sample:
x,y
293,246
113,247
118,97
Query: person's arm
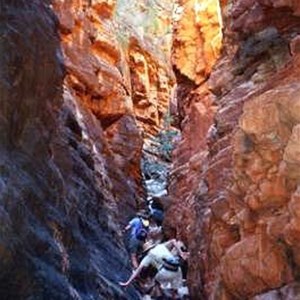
x,y
127,227
146,261
130,224
135,273
174,243
170,244
183,254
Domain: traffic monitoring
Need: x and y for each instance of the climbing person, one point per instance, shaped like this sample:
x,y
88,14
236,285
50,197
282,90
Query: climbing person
x,y
156,210
169,275
139,227
155,231
182,255
173,235
154,237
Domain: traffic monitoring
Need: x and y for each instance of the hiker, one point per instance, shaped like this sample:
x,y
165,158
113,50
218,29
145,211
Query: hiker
x,y
156,210
155,231
169,274
138,227
154,237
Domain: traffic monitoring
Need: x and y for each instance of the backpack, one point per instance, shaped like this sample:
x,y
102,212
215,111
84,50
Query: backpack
x,y
157,215
142,232
171,263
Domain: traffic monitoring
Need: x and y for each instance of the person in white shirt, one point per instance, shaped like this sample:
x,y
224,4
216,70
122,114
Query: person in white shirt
x,y
169,274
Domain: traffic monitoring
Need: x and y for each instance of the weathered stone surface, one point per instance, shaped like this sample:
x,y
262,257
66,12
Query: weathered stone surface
x,y
114,73
149,21
253,265
60,237
71,135
197,38
71,146
291,154
94,78
247,158
145,34
151,83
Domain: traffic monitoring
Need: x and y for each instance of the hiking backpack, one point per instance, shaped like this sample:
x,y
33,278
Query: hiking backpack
x,y
171,263
142,232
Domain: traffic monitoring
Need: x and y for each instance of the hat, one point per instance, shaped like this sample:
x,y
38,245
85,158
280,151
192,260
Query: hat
x,y
149,245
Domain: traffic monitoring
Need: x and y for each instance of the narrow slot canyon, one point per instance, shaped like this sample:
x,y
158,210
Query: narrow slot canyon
x,y
107,104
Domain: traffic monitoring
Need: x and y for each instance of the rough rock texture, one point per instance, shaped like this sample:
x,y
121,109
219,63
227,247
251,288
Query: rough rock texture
x,y
60,237
197,37
94,66
151,83
235,182
195,109
144,31
148,20
71,137
114,73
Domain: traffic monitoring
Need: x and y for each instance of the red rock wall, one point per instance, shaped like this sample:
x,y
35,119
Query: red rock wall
x,y
151,83
94,67
60,237
234,185
197,38
113,73
144,30
70,148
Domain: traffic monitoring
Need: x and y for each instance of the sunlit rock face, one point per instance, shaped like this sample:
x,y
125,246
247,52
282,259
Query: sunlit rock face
x,y
193,56
60,237
235,182
197,38
97,79
151,83
148,20
145,35
114,70
144,31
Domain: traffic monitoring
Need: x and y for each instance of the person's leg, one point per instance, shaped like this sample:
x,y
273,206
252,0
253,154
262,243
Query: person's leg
x,y
134,260
170,282
134,245
176,283
174,294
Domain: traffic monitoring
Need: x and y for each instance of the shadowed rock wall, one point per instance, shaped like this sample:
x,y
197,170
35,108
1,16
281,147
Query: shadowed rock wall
x,y
59,234
235,182
72,129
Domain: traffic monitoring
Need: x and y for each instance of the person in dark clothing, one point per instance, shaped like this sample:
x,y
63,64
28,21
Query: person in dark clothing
x,y
139,227
156,210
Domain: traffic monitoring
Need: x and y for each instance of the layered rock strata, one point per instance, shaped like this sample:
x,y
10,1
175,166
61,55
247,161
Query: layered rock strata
x,y
144,30
95,78
59,231
115,72
235,182
71,142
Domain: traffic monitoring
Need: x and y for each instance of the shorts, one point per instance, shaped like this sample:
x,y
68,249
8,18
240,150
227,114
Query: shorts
x,y
169,279
135,245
